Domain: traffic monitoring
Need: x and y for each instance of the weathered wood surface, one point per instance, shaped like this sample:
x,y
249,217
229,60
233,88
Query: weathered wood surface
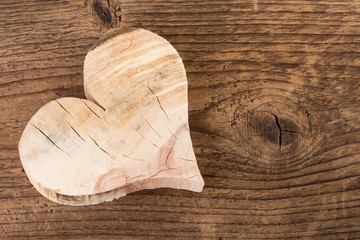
x,y
274,117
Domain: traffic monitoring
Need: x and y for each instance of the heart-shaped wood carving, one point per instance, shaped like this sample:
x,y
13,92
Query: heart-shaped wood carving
x,y
130,134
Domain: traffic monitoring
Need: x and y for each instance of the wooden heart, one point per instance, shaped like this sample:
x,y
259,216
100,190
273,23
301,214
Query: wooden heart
x,y
131,134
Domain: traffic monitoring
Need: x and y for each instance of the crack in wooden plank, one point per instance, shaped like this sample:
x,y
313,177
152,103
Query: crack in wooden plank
x,y
280,130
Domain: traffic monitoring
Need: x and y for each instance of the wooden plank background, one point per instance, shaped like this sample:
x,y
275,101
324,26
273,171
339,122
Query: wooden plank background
x,y
274,104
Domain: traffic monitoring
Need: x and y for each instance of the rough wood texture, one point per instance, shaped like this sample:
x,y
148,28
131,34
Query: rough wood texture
x,y
293,176
130,134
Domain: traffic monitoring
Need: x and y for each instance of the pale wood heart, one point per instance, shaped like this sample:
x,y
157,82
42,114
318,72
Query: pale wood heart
x,y
131,134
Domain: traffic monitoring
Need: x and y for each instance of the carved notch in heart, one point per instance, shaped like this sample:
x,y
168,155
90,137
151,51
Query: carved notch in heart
x,y
131,134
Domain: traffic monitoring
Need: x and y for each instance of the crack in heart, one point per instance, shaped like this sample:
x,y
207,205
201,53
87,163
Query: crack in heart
x,y
101,148
157,98
48,138
116,57
76,132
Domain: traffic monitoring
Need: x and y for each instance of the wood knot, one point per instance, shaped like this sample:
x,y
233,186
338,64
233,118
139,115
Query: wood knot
x,y
274,133
105,12
278,132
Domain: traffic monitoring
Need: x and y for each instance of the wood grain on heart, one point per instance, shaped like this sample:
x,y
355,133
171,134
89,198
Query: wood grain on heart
x,y
131,133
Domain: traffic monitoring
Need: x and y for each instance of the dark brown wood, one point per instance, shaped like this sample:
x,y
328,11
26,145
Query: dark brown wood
x,y
274,117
